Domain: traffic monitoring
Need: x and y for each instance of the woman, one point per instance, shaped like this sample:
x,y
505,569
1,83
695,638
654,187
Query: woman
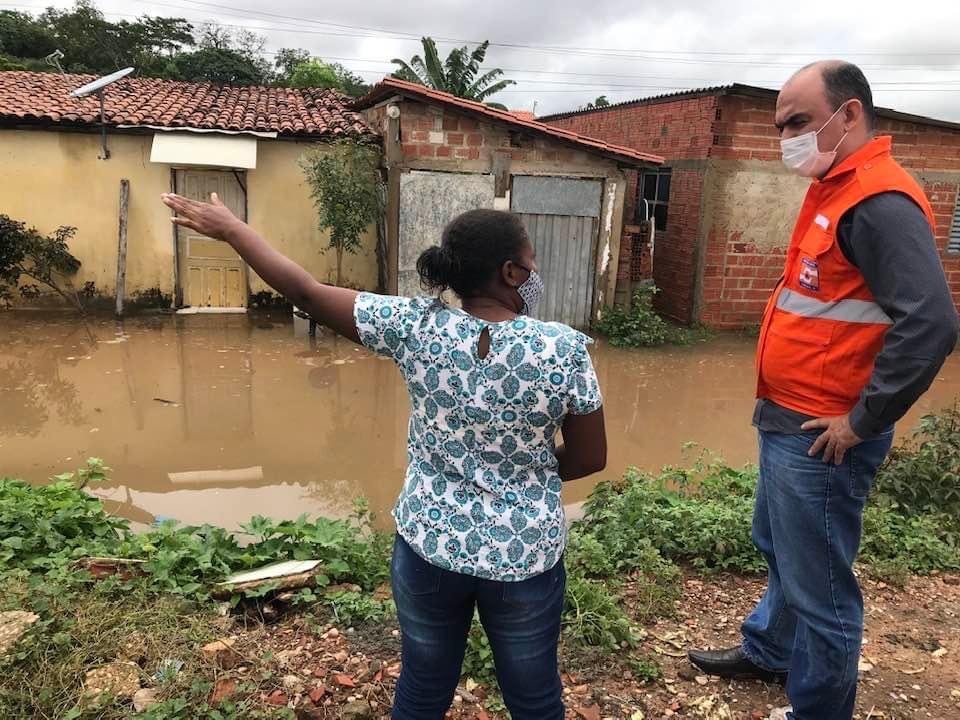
x,y
479,521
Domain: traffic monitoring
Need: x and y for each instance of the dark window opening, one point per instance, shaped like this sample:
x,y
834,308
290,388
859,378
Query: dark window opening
x,y
953,244
653,197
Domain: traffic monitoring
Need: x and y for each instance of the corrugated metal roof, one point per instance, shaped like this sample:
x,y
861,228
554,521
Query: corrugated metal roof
x,y
392,86
741,89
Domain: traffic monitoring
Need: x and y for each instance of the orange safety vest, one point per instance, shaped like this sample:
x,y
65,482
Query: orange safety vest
x,y
822,328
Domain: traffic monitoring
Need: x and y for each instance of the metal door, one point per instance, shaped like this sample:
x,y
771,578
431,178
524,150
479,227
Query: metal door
x,y
212,274
428,201
562,218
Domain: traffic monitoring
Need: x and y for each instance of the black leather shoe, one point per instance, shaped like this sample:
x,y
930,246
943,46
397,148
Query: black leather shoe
x,y
733,664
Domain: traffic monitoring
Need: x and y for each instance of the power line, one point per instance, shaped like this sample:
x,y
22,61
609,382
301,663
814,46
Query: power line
x,y
535,82
661,56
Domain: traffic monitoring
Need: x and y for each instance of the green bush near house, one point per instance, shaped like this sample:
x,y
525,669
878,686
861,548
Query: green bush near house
x,y
640,325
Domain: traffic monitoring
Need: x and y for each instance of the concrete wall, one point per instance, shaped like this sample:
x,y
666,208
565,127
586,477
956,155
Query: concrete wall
x,y
49,178
430,137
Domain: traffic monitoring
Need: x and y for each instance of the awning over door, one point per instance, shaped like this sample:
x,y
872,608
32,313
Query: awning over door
x,y
225,151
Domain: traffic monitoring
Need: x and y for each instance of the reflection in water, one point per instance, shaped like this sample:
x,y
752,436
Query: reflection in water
x,y
31,383
210,418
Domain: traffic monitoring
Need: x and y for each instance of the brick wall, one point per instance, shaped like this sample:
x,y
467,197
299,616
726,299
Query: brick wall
x,y
428,132
741,265
680,131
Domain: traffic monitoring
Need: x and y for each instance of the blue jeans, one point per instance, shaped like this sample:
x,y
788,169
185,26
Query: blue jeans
x,y
807,523
522,621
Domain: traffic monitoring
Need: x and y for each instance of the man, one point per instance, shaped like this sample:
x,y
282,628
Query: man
x,y
856,330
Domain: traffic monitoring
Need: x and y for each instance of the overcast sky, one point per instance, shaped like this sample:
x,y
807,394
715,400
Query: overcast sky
x,y
565,53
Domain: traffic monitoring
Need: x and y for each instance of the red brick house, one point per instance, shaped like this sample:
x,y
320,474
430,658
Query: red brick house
x,y
724,205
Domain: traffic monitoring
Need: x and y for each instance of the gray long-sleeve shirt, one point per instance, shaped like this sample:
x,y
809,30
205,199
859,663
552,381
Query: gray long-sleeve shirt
x,y
888,239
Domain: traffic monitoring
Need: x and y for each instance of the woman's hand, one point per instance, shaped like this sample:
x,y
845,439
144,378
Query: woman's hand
x,y
212,219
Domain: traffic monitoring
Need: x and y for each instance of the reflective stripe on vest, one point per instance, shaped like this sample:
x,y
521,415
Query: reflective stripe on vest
x,y
851,311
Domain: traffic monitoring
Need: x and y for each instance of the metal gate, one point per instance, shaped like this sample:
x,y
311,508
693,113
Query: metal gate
x,y
428,201
562,218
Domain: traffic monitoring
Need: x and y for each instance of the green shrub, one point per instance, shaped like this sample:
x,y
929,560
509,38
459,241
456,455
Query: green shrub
x,y
923,476
639,325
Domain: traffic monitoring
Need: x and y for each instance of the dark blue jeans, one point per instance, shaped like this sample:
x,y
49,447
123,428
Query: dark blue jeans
x,y
522,621
807,523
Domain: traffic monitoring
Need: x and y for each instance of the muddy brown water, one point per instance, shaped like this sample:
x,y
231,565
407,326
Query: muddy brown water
x,y
215,418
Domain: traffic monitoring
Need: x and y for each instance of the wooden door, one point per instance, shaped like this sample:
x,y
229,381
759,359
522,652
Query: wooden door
x,y
212,274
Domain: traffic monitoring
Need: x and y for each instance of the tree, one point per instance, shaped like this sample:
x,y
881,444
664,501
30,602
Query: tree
x,y
600,102
23,37
347,191
458,74
289,61
46,259
314,73
217,65
286,61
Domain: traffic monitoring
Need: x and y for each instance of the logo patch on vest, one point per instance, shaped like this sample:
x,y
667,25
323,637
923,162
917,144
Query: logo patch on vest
x,y
809,274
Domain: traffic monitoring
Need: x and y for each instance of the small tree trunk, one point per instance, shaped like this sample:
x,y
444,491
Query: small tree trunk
x,y
339,265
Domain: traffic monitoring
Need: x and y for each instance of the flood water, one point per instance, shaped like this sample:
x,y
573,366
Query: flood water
x,y
215,418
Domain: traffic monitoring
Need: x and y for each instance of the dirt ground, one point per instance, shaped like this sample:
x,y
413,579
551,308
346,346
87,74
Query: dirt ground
x,y
910,664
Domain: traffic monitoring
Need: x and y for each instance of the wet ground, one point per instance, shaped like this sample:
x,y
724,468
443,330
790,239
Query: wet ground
x,y
215,418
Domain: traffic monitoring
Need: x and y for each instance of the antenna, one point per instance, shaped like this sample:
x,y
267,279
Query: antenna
x,y
100,83
53,60
98,86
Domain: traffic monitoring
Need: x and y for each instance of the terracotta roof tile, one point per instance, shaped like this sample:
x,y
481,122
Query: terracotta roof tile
x,y
308,112
390,86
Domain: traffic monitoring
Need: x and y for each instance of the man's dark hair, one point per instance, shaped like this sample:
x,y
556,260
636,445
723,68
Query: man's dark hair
x,y
844,81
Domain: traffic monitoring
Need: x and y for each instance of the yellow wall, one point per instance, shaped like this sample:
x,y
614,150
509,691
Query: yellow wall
x,y
281,209
49,178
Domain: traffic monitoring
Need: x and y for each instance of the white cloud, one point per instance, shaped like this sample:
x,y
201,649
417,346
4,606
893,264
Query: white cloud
x,y
892,42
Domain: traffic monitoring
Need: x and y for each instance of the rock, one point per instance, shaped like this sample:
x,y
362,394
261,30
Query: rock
x,y
341,657
132,648
344,681
144,698
286,658
292,683
117,679
320,673
277,698
591,712
951,579
223,689
467,695
316,695
222,654
701,679
356,710
13,625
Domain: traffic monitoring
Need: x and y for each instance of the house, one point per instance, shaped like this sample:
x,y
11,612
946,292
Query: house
x,y
162,136
445,155
723,205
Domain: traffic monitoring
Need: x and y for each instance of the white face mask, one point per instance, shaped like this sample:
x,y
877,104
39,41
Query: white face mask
x,y
531,292
802,153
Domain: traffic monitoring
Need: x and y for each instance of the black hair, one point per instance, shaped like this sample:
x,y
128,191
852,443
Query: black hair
x,y
844,81
474,247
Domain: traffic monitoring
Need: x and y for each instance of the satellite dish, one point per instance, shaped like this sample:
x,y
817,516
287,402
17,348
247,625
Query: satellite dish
x,y
100,83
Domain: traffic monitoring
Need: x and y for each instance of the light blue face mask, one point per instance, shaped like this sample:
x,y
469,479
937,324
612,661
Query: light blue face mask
x,y
531,292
